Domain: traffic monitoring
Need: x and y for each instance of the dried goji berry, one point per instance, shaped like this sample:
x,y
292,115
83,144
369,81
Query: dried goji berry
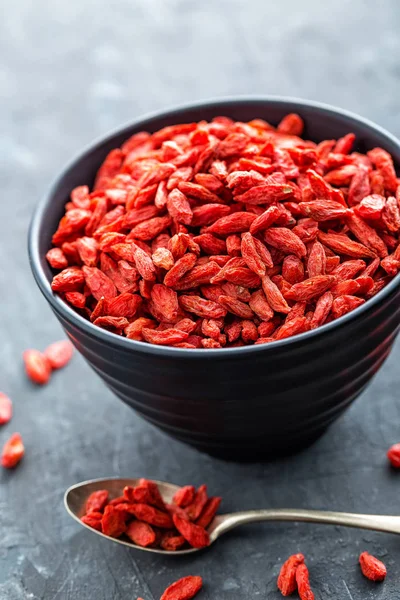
x,y
196,535
393,455
37,366
141,533
96,501
195,509
13,451
371,567
59,353
93,520
303,583
5,409
287,575
171,541
184,496
183,589
113,522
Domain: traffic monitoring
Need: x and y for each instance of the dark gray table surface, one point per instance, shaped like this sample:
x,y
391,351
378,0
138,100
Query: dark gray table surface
x,y
70,72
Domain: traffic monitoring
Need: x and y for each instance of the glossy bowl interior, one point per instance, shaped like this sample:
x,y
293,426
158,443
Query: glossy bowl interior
x,y
237,402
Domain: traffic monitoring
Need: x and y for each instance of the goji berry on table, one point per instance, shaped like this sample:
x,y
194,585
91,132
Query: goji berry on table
x,y
59,353
267,217
37,366
371,567
287,576
183,589
13,451
393,455
6,408
303,583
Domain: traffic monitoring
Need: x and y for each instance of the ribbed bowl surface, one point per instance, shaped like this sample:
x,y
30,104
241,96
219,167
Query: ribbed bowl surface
x,y
243,402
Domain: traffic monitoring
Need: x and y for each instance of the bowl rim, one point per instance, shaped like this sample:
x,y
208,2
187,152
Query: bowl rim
x,y
74,318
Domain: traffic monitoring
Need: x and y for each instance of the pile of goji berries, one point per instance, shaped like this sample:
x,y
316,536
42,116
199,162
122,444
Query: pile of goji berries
x,y
38,367
142,516
220,234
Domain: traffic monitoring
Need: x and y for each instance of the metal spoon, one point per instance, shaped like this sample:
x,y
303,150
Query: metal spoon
x,y
76,496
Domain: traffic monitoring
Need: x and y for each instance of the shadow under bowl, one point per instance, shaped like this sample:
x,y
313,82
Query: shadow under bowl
x,y
244,402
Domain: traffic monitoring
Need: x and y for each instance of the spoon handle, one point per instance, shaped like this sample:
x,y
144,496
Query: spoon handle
x,y
224,523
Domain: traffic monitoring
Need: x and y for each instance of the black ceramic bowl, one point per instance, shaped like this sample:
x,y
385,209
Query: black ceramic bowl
x,y
237,402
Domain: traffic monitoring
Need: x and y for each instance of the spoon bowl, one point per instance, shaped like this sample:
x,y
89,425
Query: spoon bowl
x,y
75,499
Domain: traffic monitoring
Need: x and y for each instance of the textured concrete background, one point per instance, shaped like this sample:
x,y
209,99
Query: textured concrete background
x,y
70,72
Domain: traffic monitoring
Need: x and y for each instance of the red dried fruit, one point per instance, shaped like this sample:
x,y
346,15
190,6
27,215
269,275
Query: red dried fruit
x,y
366,235
236,307
69,280
99,284
234,223
310,288
342,244
164,338
213,209
195,509
183,589
303,583
209,512
5,409
290,328
13,451
184,496
171,541
344,304
284,239
182,266
316,263
96,501
287,575
371,567
59,353
393,455
93,520
194,534
37,366
141,534
113,522
207,309
322,309
56,258
151,515
274,296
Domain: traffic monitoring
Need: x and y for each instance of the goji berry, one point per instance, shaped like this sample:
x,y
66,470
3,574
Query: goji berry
x,y
113,522
183,589
6,409
393,455
59,353
184,496
371,567
96,501
196,535
13,451
287,575
303,583
37,366
141,533
93,520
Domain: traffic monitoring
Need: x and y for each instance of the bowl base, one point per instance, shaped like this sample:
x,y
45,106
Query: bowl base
x,y
254,452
